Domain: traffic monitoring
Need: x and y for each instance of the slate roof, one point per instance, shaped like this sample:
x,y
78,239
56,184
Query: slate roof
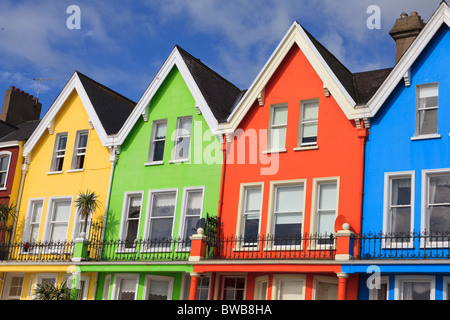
x,y
111,107
360,86
219,93
22,131
6,128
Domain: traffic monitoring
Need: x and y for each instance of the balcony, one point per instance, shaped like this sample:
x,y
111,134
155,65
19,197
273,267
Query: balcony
x,y
406,246
271,247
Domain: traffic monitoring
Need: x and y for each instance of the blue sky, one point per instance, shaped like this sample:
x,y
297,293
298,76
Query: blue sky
x,y
122,44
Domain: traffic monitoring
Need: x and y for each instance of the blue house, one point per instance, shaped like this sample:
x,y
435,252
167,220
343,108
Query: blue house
x,y
404,251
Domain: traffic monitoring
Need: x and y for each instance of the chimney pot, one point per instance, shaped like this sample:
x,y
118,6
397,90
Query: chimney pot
x,y
12,88
403,15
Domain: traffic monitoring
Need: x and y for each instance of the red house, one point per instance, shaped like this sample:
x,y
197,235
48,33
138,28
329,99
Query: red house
x,y
293,176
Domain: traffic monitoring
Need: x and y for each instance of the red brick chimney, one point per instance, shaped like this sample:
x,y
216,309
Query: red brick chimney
x,y
404,31
19,106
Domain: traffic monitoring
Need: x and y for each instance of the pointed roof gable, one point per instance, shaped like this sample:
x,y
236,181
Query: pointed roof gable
x,y
107,110
214,96
337,79
401,71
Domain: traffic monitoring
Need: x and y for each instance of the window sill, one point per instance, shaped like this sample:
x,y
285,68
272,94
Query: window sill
x,y
306,148
3,189
55,172
75,170
274,151
426,136
179,160
154,163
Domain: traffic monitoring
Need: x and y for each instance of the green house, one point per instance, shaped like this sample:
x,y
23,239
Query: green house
x,y
167,177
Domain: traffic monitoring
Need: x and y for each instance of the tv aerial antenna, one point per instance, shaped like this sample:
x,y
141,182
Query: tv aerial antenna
x,y
39,86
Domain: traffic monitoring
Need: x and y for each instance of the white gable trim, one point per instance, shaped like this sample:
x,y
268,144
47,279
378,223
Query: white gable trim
x,y
47,122
401,71
295,35
141,109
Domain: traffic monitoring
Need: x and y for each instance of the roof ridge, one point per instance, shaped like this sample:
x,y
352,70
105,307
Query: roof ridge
x,y
104,87
206,66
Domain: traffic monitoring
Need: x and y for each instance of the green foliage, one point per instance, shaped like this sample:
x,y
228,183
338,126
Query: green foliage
x,y
7,211
49,291
87,202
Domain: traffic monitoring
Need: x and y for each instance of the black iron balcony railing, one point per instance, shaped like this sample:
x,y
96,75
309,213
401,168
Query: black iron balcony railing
x,y
306,246
45,251
171,249
414,245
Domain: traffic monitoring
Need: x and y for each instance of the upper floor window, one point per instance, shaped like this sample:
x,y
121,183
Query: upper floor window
x,y
309,116
131,215
287,216
79,152
158,140
58,219
326,211
438,203
251,214
427,110
59,152
278,127
182,139
5,158
398,211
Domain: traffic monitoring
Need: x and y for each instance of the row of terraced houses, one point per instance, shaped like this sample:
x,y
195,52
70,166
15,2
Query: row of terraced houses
x,y
315,183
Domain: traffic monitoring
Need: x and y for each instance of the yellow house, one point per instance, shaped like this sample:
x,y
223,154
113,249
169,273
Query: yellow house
x,y
72,150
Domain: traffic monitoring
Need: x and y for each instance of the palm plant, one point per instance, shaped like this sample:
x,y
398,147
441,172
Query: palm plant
x,y
7,211
87,202
50,291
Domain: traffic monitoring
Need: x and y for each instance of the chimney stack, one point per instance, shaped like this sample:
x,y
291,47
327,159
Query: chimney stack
x,y
404,31
19,106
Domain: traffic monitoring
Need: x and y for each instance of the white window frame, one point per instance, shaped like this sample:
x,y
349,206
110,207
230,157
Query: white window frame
x,y
69,278
124,223
418,109
426,174
28,224
317,182
322,279
387,215
242,215
270,147
106,287
259,281
373,292
201,278
4,154
400,280
116,284
153,141
7,286
233,276
48,220
180,134
183,210
302,123
278,278
271,211
40,277
149,219
150,277
56,151
445,289
78,151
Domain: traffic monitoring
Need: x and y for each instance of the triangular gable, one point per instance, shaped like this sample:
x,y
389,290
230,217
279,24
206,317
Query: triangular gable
x,y
401,71
176,59
47,122
296,35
